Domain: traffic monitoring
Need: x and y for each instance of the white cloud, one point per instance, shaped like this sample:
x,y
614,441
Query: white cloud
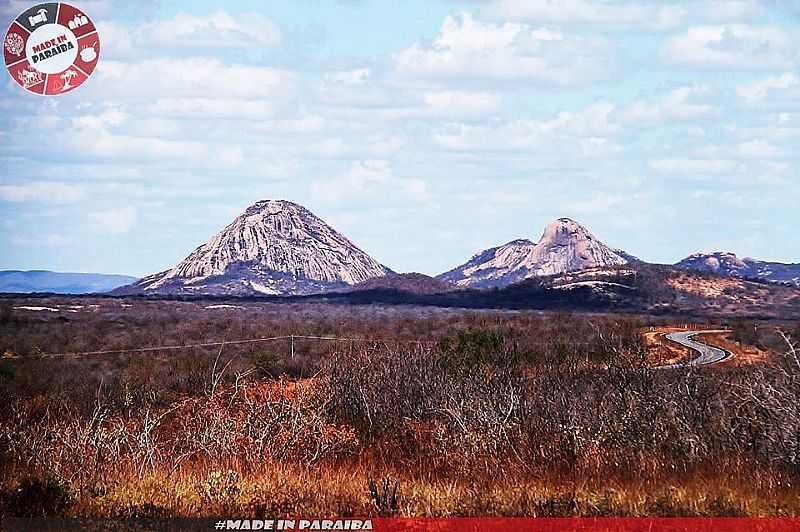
x,y
601,203
197,77
115,221
398,132
777,129
760,90
117,41
709,151
108,118
677,105
113,134
47,192
694,166
193,112
303,123
790,6
595,121
589,133
213,108
467,48
368,181
360,99
757,149
582,134
623,14
217,30
734,46
601,12
461,103
731,10
358,76
103,144
368,94
349,148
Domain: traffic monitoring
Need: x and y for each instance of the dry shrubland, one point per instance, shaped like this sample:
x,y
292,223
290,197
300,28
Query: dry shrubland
x,y
449,413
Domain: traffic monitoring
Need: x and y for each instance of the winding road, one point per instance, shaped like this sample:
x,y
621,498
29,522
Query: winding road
x,y
706,354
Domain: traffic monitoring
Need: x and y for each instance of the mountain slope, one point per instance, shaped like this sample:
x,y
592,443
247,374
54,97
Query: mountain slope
x,y
729,265
565,246
638,287
275,247
16,281
497,266
415,283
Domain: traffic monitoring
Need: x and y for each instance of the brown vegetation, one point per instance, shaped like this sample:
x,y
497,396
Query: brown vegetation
x,y
722,296
493,414
660,351
706,287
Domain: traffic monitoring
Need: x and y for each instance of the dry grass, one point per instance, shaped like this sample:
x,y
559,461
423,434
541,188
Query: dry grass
x,y
203,458
743,354
343,492
341,489
506,414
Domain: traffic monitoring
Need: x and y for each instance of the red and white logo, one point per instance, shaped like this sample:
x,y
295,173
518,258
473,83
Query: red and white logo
x,y
51,48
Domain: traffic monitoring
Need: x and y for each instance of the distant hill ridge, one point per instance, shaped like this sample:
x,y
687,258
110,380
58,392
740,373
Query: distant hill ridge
x,y
27,281
729,265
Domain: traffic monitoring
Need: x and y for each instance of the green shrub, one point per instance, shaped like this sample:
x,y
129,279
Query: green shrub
x,y
6,371
476,347
745,332
265,363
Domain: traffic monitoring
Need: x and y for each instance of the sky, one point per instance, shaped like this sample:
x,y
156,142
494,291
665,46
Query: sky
x,y
423,130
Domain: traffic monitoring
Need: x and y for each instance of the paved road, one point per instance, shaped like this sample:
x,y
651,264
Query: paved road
x,y
706,354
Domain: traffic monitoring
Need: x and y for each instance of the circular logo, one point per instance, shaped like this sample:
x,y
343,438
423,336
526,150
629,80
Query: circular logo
x,y
51,48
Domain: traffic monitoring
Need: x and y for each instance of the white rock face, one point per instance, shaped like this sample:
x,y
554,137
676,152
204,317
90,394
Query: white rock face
x,y
274,247
565,246
493,266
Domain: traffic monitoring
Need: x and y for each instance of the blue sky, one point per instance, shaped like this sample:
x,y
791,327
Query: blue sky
x,y
423,130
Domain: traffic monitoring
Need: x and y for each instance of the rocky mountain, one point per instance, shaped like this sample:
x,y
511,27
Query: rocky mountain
x,y
565,246
275,247
729,265
16,281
